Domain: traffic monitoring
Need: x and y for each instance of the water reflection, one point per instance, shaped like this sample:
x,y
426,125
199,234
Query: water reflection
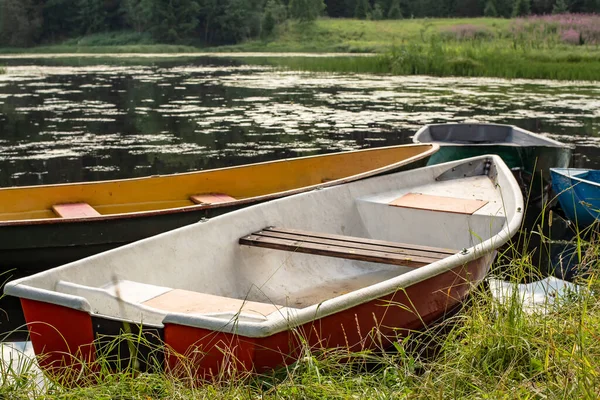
x,y
88,119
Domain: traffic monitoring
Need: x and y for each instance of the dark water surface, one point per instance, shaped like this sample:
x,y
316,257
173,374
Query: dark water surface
x,y
90,119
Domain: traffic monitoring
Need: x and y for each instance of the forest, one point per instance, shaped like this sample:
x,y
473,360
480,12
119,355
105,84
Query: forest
x,y
25,23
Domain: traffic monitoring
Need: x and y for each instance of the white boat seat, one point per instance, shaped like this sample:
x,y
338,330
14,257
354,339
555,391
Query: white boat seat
x,y
439,203
349,247
188,302
211,198
75,210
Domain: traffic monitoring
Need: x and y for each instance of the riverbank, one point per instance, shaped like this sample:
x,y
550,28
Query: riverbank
x,y
490,47
494,348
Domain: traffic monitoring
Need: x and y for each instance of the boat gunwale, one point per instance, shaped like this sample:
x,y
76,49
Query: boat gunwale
x,y
560,171
278,322
434,147
551,143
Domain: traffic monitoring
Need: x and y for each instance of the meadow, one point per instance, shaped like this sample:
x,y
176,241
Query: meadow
x,y
490,349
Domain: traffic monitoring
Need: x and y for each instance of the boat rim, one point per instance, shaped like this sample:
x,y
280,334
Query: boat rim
x,y
296,317
434,147
551,143
561,171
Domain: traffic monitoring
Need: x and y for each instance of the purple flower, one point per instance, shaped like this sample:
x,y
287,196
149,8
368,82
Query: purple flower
x,y
466,32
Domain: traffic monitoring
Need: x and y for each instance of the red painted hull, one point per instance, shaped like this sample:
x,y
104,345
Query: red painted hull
x,y
65,336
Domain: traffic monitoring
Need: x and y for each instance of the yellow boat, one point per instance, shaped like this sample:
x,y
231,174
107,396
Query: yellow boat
x,y
45,226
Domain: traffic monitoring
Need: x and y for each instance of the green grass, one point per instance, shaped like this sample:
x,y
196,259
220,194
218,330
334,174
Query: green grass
x,y
402,47
442,58
490,350
358,36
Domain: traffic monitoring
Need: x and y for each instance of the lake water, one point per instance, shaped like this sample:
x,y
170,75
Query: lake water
x,y
82,119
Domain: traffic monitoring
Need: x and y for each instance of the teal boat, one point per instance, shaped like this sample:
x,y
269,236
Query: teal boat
x,y
526,153
578,192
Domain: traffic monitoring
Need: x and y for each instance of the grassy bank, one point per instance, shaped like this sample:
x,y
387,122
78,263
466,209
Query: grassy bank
x,y
531,49
447,59
491,349
534,48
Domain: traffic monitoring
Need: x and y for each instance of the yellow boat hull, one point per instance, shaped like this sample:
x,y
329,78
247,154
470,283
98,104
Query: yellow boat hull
x,y
172,193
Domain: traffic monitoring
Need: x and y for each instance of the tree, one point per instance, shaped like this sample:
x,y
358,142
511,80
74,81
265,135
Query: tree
x,y
560,7
377,13
363,8
172,20
274,14
60,19
521,8
490,9
138,14
306,10
591,6
395,12
467,8
91,16
21,22
504,8
541,6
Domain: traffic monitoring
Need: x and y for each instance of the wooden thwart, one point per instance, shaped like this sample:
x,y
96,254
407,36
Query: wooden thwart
x,y
211,198
350,247
438,203
75,210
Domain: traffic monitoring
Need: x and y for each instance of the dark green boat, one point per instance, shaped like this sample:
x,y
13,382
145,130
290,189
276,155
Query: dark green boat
x,y
529,155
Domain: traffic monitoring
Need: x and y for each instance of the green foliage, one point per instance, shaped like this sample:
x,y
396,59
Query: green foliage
x,y
268,23
362,10
20,22
275,13
377,13
490,9
560,7
60,19
91,15
173,20
521,8
395,11
138,14
306,10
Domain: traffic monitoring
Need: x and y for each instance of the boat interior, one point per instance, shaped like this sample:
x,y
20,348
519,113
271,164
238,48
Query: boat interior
x,y
480,134
589,175
275,258
93,199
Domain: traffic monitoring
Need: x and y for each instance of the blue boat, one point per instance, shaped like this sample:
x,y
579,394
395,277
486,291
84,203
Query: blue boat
x,y
578,192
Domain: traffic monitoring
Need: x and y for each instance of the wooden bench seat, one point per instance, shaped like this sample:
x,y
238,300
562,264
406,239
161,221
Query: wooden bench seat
x,y
211,198
75,210
350,247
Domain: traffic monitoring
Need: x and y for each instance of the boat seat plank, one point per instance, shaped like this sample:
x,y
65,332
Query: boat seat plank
x,y
188,302
211,198
438,203
75,210
348,247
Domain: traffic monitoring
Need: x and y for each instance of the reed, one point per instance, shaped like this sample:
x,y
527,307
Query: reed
x,y
490,349
441,58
